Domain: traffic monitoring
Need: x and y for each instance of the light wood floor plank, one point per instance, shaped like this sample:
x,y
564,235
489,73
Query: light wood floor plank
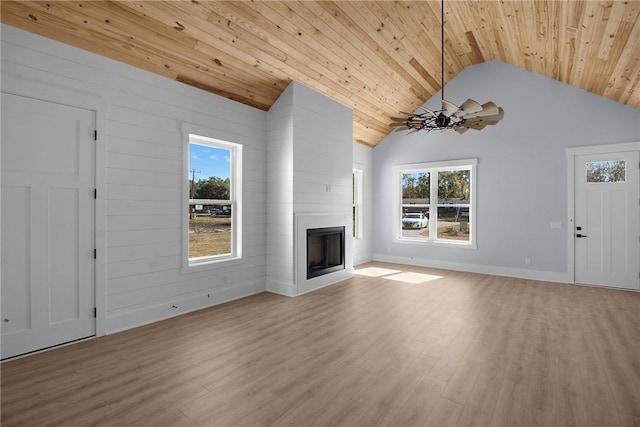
x,y
460,350
481,402
444,413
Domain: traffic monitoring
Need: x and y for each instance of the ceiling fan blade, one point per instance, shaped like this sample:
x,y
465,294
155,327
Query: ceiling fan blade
x,y
495,118
476,126
488,109
468,107
490,121
478,120
448,108
428,111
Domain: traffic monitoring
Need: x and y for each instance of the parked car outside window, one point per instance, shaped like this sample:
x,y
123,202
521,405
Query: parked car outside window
x,y
415,220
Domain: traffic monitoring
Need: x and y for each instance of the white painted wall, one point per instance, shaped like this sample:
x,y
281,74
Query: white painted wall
x,y
140,177
522,175
309,155
363,246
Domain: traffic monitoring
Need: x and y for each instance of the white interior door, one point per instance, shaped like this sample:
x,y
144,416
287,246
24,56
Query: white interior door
x,y
48,215
607,219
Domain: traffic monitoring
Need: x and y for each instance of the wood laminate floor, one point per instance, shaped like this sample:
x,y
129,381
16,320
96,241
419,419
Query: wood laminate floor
x,y
419,347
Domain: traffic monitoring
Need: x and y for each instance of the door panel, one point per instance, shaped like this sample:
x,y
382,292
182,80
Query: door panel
x,y
48,213
64,285
16,266
607,219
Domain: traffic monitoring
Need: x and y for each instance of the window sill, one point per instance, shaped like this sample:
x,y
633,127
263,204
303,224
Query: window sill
x,y
212,264
437,243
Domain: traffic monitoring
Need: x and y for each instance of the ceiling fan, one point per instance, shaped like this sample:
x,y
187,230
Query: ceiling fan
x,y
470,115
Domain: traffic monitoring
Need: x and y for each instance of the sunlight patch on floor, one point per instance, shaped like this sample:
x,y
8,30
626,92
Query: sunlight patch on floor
x,y
375,271
415,278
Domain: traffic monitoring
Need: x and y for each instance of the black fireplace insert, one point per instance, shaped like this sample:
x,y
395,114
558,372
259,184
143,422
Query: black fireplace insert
x,y
325,251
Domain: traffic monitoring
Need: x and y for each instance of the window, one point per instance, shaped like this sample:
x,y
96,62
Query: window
x,y
606,171
213,203
436,202
357,203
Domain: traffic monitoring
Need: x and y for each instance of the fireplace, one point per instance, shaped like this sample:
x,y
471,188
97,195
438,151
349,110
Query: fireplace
x,y
325,251
321,252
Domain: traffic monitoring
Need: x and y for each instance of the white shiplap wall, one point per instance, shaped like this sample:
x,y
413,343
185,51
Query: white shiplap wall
x,y
140,177
279,207
322,154
309,158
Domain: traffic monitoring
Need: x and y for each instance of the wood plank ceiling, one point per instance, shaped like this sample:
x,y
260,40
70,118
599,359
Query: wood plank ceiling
x,y
377,57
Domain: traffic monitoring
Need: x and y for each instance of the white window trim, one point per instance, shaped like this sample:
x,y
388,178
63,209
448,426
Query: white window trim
x,y
358,189
203,135
448,165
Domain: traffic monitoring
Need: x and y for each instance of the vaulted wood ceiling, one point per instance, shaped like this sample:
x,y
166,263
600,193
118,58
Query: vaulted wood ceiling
x,y
377,57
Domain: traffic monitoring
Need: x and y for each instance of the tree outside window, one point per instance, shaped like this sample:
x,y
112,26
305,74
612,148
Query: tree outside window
x,y
436,202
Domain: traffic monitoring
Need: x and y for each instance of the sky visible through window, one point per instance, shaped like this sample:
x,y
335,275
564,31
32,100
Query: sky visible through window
x,y
208,161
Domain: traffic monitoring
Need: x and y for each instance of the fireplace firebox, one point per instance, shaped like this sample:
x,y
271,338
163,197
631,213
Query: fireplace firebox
x,y
325,251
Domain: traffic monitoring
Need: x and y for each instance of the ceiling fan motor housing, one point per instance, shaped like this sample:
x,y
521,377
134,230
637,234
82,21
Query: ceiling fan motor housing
x,y
442,121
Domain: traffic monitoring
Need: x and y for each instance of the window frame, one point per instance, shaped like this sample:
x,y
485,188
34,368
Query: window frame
x,y
204,136
433,168
357,196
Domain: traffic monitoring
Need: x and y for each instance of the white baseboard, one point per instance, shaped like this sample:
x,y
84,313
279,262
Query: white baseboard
x,y
288,290
326,280
281,288
362,259
493,270
151,314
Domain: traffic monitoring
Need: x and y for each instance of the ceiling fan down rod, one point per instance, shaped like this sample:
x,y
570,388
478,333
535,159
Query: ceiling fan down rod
x,y
442,51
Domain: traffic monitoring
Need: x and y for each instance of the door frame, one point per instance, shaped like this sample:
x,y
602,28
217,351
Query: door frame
x,y
36,89
572,152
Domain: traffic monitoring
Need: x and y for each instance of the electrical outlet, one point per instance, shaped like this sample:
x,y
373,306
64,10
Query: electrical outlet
x,y
527,261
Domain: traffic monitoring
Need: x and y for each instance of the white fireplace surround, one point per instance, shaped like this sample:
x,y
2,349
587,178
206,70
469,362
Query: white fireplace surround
x,y
305,221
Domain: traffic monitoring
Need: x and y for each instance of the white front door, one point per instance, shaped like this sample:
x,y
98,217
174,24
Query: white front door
x,y
607,219
48,215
